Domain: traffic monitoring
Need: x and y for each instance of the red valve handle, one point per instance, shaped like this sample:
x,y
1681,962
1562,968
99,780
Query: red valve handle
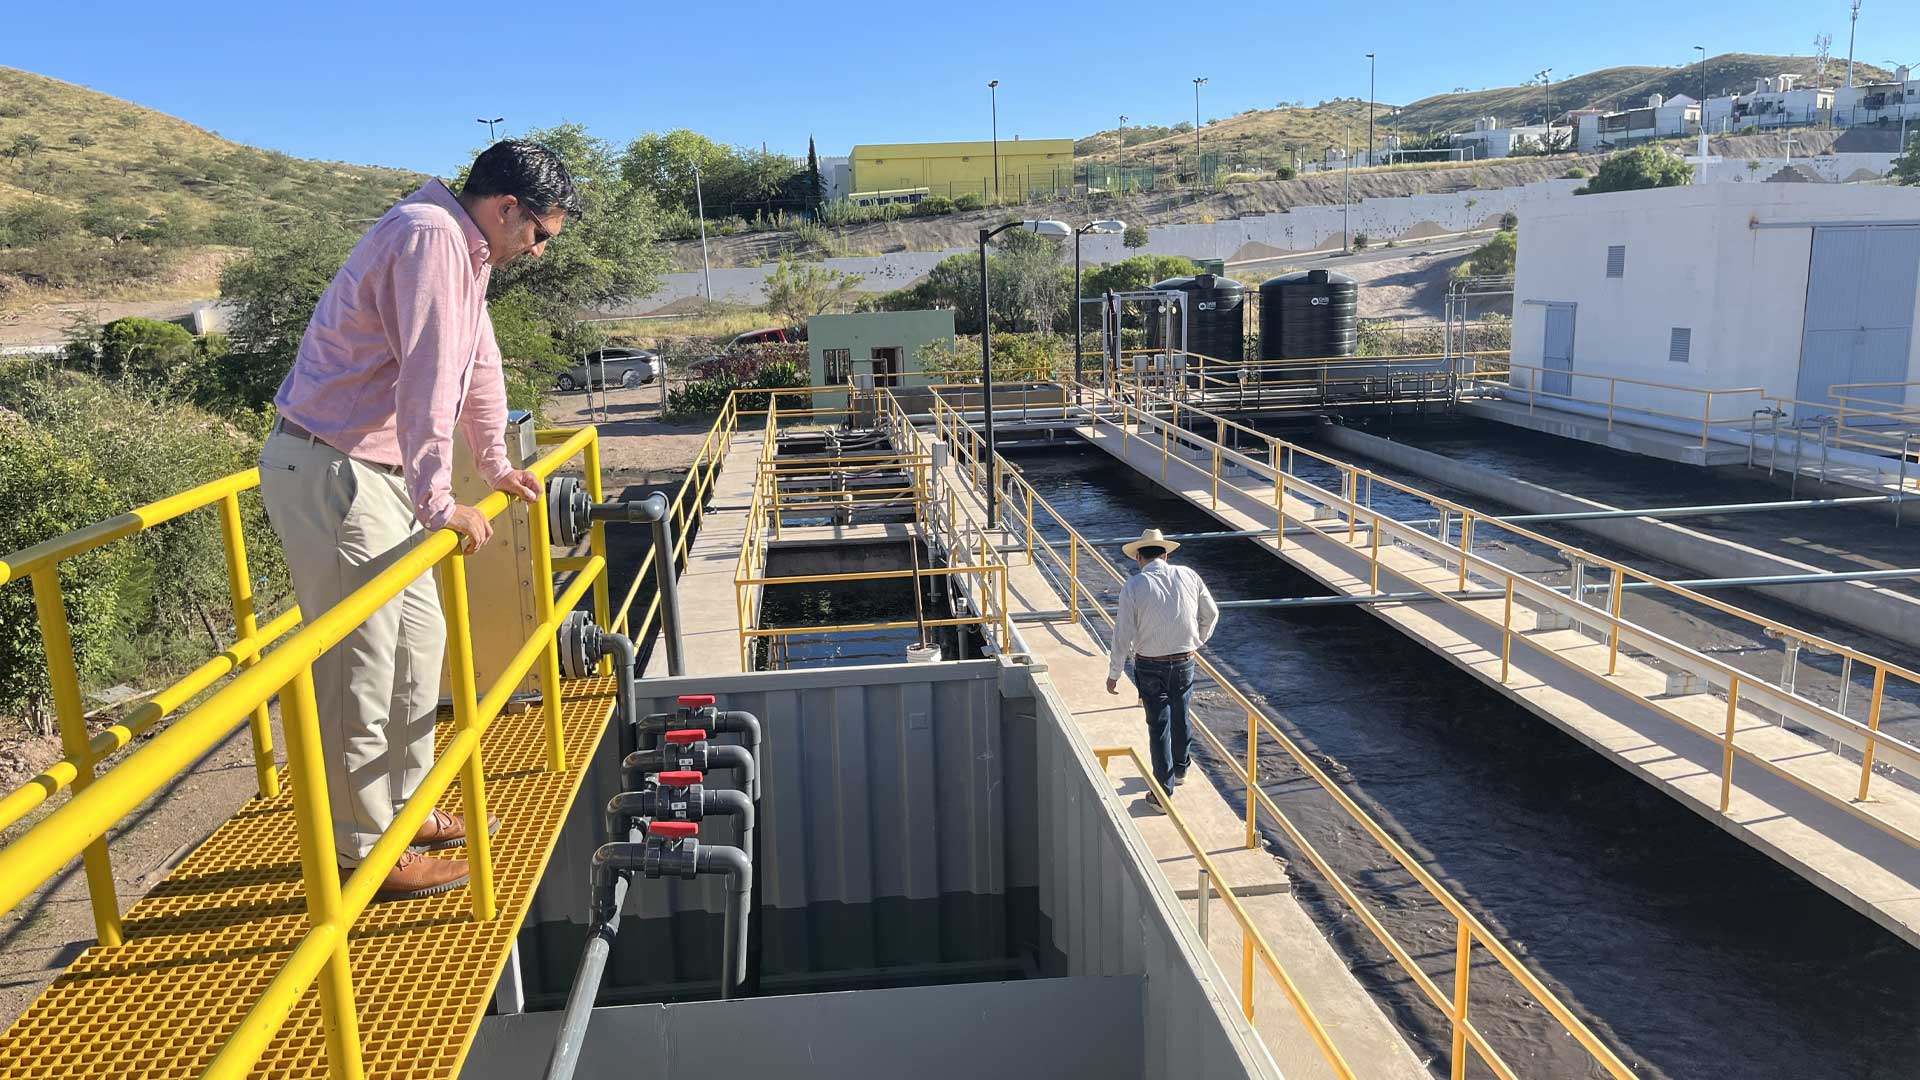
x,y
697,701
685,736
673,830
679,778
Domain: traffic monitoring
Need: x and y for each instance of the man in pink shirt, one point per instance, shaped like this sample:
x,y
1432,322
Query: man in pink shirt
x,y
358,471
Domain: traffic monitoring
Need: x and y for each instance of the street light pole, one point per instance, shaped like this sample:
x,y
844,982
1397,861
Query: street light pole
x,y
1197,84
1702,49
1047,227
1096,227
700,207
490,123
993,101
1891,66
1371,96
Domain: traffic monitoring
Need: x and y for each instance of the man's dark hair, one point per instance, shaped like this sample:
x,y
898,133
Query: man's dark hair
x,y
1151,553
525,170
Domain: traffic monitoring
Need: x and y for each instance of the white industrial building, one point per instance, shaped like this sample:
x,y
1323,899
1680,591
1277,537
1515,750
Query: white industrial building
x,y
1660,118
1791,288
1489,140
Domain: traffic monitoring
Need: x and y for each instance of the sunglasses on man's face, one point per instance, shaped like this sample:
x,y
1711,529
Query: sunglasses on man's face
x,y
540,233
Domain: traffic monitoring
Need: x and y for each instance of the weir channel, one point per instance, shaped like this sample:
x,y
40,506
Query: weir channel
x,y
1695,955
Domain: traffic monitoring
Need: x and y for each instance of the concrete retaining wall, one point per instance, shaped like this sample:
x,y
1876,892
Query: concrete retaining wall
x,y
1857,603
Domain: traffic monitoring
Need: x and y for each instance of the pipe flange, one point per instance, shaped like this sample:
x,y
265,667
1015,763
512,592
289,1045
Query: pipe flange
x,y
581,644
568,510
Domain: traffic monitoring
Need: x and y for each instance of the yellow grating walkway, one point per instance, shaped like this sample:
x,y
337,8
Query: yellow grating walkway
x,y
203,943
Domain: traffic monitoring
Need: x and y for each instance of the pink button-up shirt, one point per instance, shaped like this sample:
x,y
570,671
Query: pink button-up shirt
x,y
400,352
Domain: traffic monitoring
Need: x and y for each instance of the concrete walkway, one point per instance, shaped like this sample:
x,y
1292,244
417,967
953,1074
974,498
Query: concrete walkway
x,y
1818,830
1069,663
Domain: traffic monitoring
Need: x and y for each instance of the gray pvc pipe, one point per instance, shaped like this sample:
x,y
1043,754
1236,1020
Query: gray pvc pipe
x,y
740,759
620,647
739,870
609,893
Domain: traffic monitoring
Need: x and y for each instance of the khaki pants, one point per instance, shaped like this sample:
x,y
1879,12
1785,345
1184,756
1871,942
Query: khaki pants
x,y
342,523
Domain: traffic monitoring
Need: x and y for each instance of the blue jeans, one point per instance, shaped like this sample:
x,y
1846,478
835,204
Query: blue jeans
x,y
1165,689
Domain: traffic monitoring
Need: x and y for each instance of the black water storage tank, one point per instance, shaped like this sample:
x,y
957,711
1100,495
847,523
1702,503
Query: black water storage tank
x,y
1215,317
1309,314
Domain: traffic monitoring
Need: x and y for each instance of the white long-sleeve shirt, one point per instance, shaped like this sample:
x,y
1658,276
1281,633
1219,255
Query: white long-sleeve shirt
x,y
1164,609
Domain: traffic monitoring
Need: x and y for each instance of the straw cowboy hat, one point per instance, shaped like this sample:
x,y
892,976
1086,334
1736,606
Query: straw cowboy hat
x,y
1149,538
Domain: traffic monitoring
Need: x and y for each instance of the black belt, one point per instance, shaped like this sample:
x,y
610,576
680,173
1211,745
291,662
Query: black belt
x,y
1170,659
298,432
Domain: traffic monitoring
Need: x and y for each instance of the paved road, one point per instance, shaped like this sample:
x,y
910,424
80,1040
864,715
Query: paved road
x,y
1445,245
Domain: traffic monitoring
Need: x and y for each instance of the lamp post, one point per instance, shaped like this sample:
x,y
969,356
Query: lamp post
x,y
1046,227
490,123
1370,100
993,102
1107,226
1197,84
1895,67
700,207
1702,50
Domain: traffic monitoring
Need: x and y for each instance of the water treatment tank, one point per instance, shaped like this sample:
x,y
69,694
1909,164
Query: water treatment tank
x,y
1308,314
1216,312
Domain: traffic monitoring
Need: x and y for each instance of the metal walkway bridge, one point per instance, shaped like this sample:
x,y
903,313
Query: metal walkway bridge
x,y
253,957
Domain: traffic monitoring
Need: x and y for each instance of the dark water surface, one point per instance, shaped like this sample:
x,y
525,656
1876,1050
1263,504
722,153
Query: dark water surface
x,y
1688,952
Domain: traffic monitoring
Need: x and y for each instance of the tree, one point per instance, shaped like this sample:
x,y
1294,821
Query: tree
x,y
25,147
113,220
607,252
1029,279
274,291
1636,169
1906,167
1135,236
797,292
82,140
1134,273
148,353
1493,258
816,185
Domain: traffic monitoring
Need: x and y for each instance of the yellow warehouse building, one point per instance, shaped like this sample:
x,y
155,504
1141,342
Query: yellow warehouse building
x,y
1027,166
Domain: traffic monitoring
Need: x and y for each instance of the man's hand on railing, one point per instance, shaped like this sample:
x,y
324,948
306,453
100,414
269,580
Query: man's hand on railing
x,y
473,526
520,483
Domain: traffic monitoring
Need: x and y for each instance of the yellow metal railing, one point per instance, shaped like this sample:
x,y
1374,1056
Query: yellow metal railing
x,y
936,513
1272,465
1252,942
1577,381
1026,509
99,801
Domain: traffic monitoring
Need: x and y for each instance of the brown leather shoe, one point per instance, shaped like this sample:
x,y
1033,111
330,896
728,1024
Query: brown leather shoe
x,y
442,830
417,875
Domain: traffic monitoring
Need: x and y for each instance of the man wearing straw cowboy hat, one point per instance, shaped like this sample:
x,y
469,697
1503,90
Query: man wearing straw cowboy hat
x,y
1166,614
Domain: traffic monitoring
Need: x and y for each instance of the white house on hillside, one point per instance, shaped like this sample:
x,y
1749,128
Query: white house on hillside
x,y
1777,101
1875,103
1489,140
1660,118
1789,287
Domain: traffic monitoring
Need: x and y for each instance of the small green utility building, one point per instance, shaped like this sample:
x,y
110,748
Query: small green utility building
x,y
884,344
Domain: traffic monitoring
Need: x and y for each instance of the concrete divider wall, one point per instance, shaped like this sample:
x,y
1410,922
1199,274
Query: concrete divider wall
x,y
1302,229
1857,603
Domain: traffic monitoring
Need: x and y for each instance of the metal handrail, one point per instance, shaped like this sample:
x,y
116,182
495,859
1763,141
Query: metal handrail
x,y
1705,419
80,826
951,426
1348,503
1252,941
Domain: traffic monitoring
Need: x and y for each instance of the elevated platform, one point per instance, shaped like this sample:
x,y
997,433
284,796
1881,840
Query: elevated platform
x,y
1812,823
202,945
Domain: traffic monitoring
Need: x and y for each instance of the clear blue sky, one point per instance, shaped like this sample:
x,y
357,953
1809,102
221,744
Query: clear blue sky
x,y
354,81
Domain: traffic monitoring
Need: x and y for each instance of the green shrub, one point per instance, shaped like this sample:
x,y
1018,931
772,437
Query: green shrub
x,y
935,205
1360,241
1285,172
1576,173
1509,221
150,354
171,603
696,399
46,489
36,221
968,201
